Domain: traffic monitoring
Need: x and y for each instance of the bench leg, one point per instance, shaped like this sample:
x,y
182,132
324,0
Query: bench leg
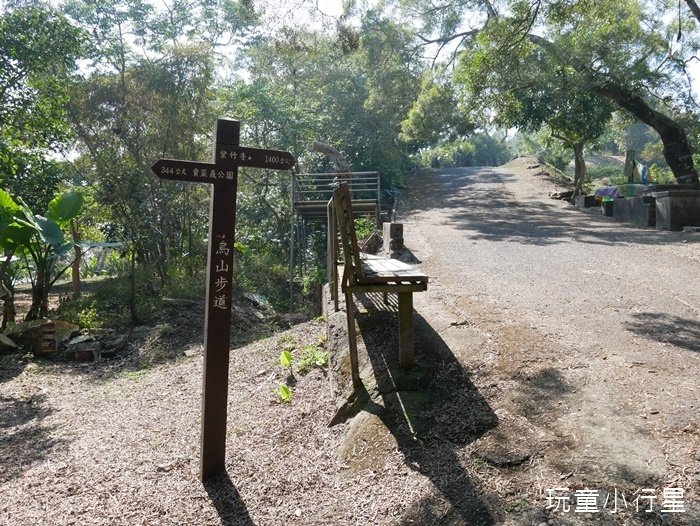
x,y
406,358
352,339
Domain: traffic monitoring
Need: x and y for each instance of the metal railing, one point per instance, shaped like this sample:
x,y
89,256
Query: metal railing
x,y
311,194
310,189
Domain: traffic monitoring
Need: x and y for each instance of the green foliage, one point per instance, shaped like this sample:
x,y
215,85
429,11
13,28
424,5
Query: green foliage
x,y
542,146
104,301
284,394
434,116
307,87
313,278
84,313
8,207
447,154
264,270
65,207
39,47
479,150
286,359
613,174
186,279
527,87
312,356
41,240
365,227
661,175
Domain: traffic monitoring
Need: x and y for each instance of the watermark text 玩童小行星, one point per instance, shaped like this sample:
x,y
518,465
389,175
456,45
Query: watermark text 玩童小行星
x,y
664,500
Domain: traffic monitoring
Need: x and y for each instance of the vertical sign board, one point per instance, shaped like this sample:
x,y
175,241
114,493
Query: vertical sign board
x,y
222,173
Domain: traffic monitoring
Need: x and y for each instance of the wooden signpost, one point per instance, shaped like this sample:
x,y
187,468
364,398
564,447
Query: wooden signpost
x,y
223,174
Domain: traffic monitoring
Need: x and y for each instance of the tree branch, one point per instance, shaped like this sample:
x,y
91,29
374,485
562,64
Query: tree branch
x,y
694,8
447,40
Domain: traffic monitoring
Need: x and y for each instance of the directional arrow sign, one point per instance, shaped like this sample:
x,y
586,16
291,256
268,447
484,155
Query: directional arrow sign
x,y
223,173
254,157
227,158
175,170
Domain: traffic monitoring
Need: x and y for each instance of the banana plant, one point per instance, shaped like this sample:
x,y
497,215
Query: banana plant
x,y
11,236
47,244
39,238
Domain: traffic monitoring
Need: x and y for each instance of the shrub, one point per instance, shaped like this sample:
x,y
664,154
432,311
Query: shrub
x,y
365,227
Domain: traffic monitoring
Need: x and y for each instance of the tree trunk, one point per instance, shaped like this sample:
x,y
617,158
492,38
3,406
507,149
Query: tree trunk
x,y
6,293
75,270
579,169
337,158
38,294
677,151
9,312
694,8
132,289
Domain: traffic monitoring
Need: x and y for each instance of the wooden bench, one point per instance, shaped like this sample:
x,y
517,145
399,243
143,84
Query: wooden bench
x,y
362,275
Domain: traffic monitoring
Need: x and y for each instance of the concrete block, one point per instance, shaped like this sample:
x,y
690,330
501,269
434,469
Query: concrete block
x,y
393,237
621,210
642,210
676,209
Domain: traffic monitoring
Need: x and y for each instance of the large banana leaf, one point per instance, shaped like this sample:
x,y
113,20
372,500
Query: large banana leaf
x,y
8,206
49,231
65,207
62,250
16,234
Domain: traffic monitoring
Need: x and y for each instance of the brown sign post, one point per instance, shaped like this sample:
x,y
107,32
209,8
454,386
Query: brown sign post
x,y
223,174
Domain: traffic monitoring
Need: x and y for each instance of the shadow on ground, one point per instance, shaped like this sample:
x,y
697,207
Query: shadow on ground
x,y
11,365
432,410
24,439
665,328
227,501
475,200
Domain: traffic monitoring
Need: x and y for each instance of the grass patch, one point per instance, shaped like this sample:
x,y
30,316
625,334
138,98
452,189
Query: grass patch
x,y
134,375
312,356
104,302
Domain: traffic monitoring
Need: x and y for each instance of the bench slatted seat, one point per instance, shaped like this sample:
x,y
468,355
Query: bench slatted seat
x,y
368,274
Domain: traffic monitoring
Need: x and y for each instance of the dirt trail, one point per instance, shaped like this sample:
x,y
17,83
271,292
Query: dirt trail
x,y
582,334
555,349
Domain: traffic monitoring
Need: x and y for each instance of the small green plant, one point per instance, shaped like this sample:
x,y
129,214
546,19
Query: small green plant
x,y
312,279
312,356
286,361
284,393
661,175
134,375
89,318
165,329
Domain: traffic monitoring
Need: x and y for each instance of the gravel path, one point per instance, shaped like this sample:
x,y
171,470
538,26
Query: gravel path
x,y
585,329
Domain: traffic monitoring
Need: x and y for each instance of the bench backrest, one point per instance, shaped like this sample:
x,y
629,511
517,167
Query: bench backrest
x,y
342,203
